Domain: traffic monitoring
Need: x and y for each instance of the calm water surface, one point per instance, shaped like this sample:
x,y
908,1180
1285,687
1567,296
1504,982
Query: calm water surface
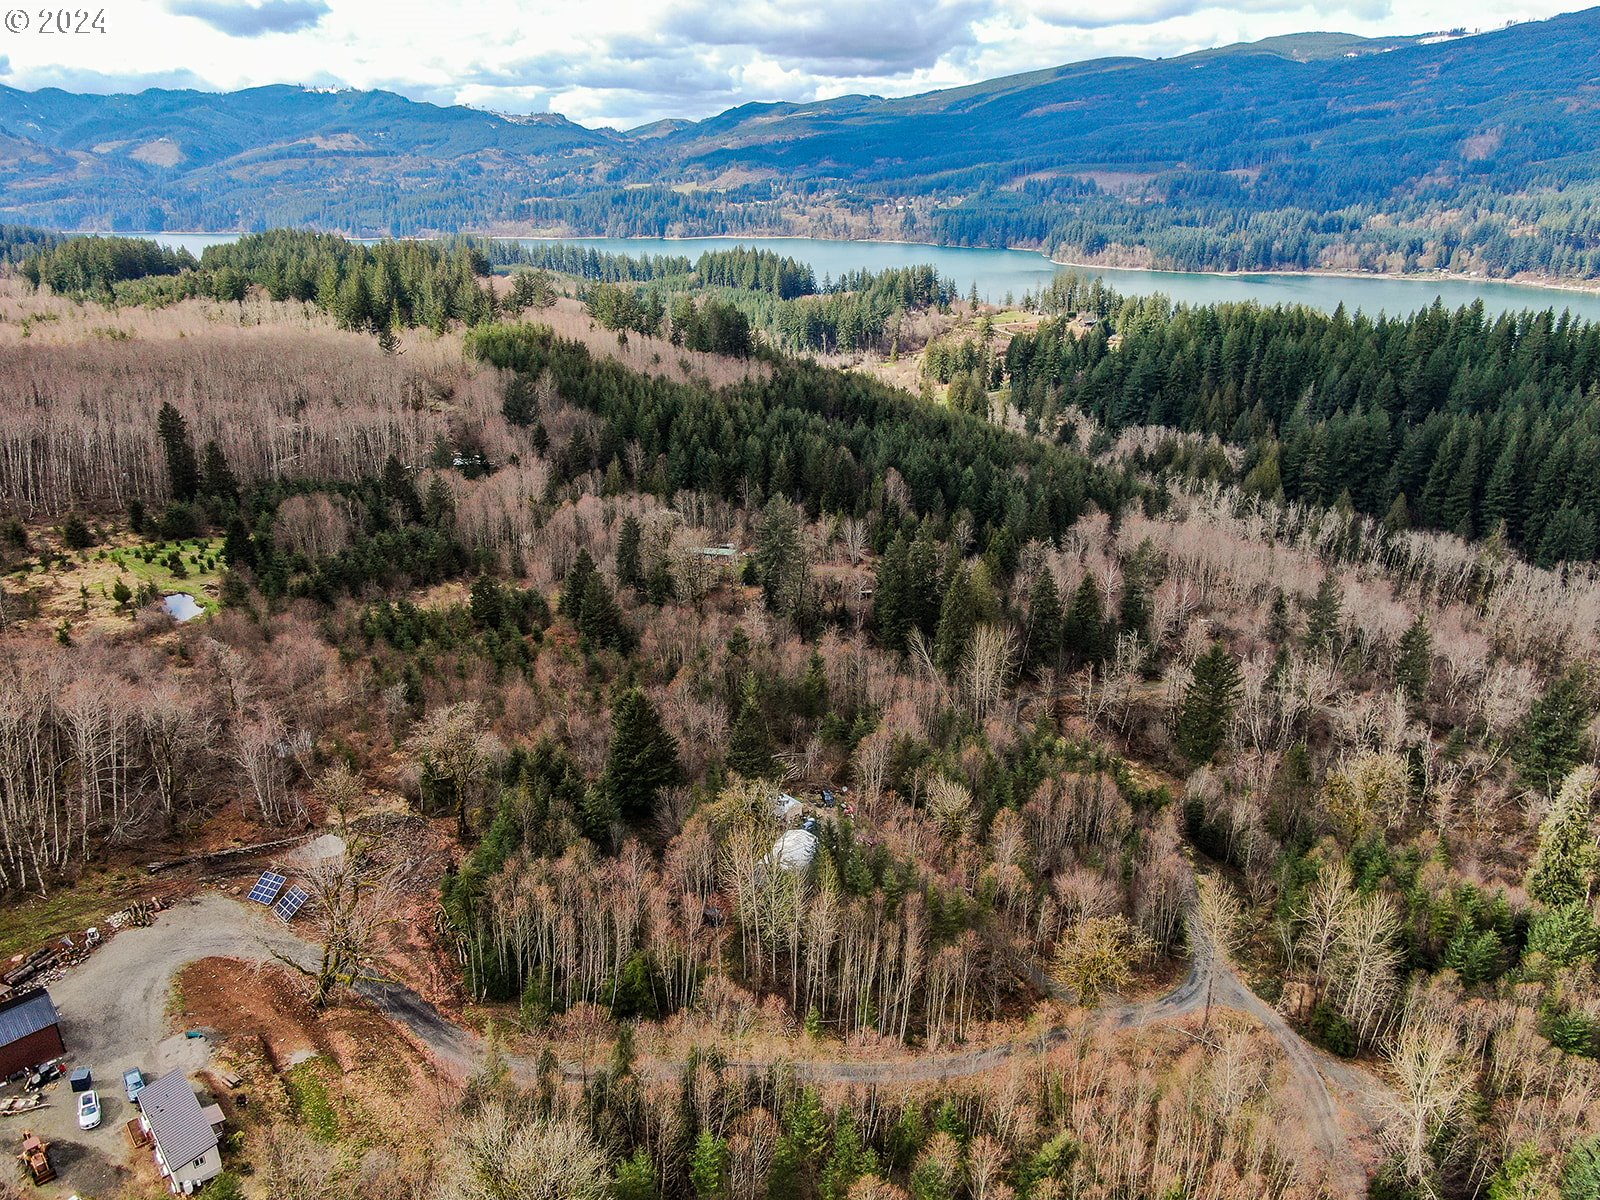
x,y
996,272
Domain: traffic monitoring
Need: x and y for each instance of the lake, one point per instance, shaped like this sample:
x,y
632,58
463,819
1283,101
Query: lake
x,y
997,272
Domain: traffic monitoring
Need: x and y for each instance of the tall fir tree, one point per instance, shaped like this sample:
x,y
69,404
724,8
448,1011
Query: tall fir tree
x,y
749,747
780,558
892,611
1208,705
1044,622
1567,863
1414,667
599,618
1084,632
570,602
216,477
958,617
630,570
1550,741
643,758
183,470
1325,616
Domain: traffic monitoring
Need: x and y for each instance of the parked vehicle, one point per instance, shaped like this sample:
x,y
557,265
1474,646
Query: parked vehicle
x,y
133,1083
35,1157
88,1110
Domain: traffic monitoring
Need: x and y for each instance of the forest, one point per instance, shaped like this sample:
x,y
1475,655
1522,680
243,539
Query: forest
x,y
1448,420
1177,809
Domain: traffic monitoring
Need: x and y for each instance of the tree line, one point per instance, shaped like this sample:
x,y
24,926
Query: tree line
x,y
1446,420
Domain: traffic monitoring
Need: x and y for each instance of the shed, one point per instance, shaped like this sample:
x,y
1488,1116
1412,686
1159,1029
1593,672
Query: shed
x,y
185,1136
30,1032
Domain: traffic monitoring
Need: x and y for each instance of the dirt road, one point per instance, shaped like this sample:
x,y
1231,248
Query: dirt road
x,y
114,1008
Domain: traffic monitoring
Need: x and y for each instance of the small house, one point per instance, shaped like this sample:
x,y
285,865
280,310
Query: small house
x,y
183,1131
30,1032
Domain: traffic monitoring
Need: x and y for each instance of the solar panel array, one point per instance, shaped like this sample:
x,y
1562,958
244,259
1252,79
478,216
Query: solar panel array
x,y
267,887
291,902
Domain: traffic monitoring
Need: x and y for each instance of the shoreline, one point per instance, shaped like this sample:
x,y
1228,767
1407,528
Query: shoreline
x,y
1581,287
1577,287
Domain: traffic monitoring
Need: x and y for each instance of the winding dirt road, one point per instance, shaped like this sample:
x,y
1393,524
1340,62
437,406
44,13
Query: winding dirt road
x,y
113,1010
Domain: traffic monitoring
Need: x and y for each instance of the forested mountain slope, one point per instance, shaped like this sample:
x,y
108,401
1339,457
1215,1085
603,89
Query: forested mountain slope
x,y
1317,150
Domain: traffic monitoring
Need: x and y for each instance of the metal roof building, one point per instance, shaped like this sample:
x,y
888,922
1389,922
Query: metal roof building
x,y
29,1031
186,1140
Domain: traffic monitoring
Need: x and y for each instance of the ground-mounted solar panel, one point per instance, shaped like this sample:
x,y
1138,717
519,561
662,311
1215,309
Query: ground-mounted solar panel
x,y
291,902
267,887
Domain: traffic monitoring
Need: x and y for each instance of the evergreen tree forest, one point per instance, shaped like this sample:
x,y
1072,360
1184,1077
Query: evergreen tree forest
x,y
1444,420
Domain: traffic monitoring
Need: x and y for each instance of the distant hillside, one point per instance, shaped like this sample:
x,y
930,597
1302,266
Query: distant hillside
x,y
1311,150
367,160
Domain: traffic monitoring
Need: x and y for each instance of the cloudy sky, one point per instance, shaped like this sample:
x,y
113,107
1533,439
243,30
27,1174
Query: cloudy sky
x,y
625,62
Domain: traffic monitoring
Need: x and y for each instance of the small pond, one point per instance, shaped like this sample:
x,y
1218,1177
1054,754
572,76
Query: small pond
x,y
182,607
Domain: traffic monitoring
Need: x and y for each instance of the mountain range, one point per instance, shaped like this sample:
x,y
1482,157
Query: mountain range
x,y
1314,150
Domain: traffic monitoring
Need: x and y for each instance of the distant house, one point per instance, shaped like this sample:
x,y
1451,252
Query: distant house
x,y
30,1032
184,1132
726,550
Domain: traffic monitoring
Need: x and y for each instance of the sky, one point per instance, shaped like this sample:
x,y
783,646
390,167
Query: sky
x,y
628,62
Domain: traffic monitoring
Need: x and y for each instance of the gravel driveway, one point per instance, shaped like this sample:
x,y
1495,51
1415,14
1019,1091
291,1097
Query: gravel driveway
x,y
113,1010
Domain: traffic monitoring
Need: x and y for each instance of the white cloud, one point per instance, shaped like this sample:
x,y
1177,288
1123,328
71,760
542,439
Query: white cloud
x,y
628,63
247,20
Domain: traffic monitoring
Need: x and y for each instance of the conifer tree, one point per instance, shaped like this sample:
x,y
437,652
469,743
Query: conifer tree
x,y
923,594
570,601
399,488
958,617
216,478
1326,614
1568,537
630,571
438,505
1208,705
1084,630
1134,610
708,1166
183,471
1567,862
599,619
1550,741
1044,621
1414,668
749,748
850,1160
814,688
892,611
780,557
636,1178
643,758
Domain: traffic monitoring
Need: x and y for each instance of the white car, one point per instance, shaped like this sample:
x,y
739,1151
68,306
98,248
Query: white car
x,y
88,1110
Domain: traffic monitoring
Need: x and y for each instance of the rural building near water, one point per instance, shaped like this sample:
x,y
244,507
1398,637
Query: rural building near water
x,y
30,1032
185,1134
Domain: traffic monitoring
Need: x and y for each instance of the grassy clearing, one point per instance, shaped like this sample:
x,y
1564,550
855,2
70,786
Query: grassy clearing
x,y
190,566
29,923
310,1102
80,587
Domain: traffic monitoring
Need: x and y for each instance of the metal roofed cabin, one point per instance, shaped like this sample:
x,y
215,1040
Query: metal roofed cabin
x,y
30,1031
185,1138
